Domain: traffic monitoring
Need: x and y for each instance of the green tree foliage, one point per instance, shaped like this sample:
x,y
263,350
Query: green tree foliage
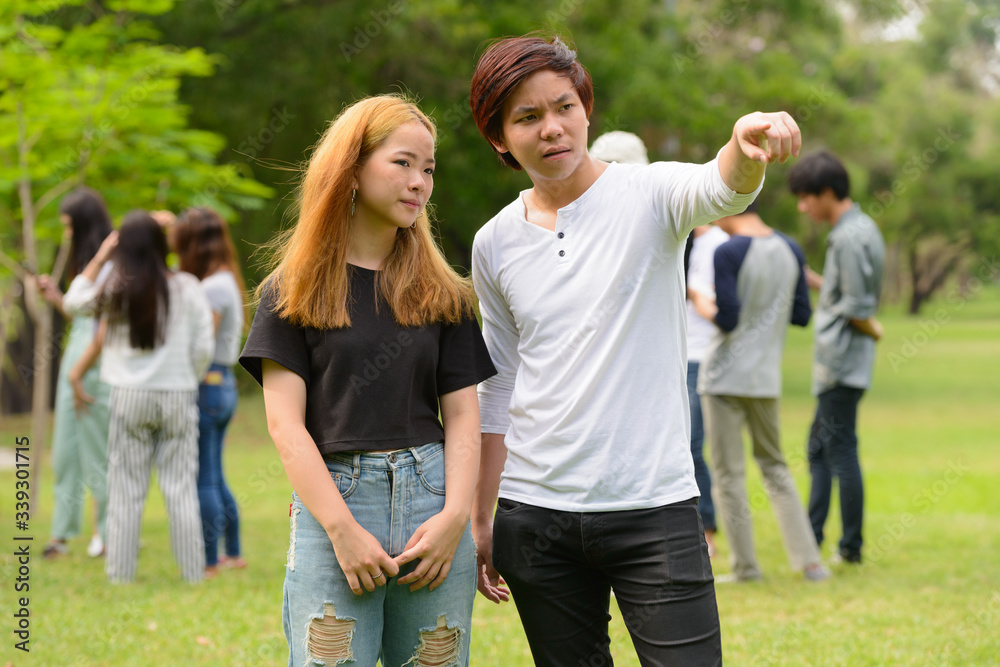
x,y
88,95
929,144
655,66
677,72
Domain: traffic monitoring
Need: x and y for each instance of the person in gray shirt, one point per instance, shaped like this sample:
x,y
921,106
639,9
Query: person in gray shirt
x,y
760,288
846,333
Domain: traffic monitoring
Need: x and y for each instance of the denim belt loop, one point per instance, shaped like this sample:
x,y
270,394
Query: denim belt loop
x,y
420,461
356,466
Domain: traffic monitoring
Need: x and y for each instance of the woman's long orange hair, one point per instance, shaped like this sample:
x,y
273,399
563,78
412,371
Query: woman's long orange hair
x,y
309,272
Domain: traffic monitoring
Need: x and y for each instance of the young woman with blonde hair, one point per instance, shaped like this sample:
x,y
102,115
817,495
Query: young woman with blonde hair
x,y
363,334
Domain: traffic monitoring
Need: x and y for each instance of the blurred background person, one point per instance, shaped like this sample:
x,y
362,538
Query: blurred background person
x,y
760,288
79,438
157,340
204,248
621,147
700,273
846,333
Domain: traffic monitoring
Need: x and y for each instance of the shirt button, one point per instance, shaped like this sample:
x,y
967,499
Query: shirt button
x,y
560,235
562,253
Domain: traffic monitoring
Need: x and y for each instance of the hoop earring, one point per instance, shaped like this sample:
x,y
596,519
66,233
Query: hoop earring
x,y
354,198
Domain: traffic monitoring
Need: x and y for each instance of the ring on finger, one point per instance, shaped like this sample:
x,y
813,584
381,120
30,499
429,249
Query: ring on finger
x,y
380,574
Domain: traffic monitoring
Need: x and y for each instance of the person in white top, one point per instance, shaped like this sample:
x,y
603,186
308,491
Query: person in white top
x,y
205,250
581,290
156,336
700,288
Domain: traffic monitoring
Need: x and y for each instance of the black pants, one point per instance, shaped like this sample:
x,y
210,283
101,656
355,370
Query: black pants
x,y
562,566
833,452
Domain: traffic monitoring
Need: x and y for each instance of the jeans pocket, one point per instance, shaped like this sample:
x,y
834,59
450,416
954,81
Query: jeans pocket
x,y
507,506
212,400
344,477
431,473
687,561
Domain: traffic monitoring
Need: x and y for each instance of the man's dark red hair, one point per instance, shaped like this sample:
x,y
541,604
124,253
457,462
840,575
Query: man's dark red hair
x,y
505,65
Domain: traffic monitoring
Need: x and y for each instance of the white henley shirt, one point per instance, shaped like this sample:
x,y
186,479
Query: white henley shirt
x,y
586,326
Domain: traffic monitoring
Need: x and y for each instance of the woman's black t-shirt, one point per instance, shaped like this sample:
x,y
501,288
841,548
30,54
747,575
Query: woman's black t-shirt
x,y
375,384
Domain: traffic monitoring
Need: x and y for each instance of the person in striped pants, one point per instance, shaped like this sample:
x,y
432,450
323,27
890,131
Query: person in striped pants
x,y
156,336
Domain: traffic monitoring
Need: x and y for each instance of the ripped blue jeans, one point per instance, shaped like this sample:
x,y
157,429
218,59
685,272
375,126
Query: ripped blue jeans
x,y
390,494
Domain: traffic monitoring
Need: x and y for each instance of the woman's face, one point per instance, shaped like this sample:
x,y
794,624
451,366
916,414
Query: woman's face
x,y
395,184
67,223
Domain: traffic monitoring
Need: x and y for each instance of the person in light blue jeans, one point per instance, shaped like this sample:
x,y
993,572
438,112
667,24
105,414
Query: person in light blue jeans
x,y
364,335
205,249
411,483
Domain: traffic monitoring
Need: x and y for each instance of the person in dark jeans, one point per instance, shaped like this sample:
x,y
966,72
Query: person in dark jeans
x,y
833,452
846,333
581,293
205,250
700,279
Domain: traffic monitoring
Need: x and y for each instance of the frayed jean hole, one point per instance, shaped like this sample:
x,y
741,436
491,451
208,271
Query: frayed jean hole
x,y
439,647
328,638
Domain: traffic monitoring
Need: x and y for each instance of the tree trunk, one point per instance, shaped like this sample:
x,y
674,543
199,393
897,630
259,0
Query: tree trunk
x,y
891,275
16,382
38,310
915,297
929,275
45,354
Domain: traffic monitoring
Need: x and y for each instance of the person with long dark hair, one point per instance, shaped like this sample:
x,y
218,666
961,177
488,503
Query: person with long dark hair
x,y
79,438
156,336
205,250
363,336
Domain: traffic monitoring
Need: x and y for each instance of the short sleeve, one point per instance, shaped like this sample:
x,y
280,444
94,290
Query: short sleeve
x,y
275,338
200,323
463,359
217,294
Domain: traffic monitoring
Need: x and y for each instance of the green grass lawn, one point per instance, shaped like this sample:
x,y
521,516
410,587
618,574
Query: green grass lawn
x,y
929,593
